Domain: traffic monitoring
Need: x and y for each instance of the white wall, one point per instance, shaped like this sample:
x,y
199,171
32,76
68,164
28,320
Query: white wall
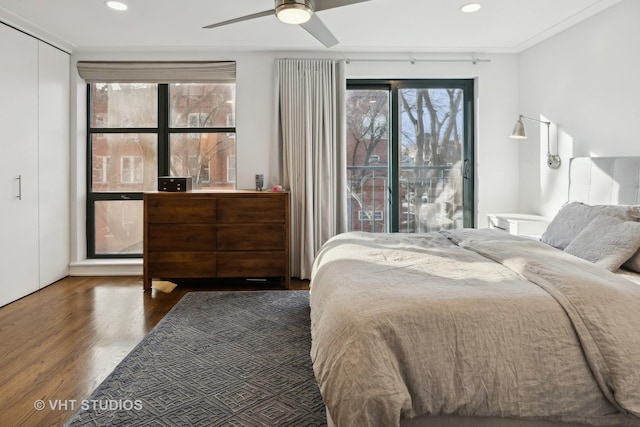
x,y
256,109
585,81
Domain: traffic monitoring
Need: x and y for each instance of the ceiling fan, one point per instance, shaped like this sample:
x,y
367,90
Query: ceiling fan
x,y
300,12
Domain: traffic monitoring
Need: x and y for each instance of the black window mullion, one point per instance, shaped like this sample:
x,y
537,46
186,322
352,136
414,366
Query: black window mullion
x,y
89,220
164,160
202,130
123,130
394,160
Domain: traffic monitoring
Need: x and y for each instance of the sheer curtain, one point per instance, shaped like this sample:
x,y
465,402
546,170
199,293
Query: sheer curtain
x,y
312,131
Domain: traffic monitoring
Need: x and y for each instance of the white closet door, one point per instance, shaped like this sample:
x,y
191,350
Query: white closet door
x,y
19,264
54,163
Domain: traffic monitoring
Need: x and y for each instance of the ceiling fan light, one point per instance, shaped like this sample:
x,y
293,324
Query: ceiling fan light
x,y
471,7
116,5
293,12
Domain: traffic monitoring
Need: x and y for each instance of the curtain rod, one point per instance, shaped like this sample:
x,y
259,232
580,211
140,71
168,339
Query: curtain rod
x,y
474,61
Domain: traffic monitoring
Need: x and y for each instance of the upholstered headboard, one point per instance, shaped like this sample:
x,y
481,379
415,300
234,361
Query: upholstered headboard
x,y
605,180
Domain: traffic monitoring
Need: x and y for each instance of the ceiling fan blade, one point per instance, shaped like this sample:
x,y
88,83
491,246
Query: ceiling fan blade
x,y
242,18
317,29
330,4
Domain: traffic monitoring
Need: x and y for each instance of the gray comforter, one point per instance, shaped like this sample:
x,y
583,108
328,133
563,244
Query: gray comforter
x,y
471,322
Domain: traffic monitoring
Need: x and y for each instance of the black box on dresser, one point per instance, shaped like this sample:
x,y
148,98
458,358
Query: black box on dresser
x,y
175,183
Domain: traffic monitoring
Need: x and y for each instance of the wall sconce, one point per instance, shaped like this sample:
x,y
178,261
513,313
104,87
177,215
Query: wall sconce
x,y
553,160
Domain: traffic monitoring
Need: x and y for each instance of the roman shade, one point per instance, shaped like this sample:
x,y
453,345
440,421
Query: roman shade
x,y
157,72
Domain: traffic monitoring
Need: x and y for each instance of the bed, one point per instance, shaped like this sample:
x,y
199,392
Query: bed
x,y
477,327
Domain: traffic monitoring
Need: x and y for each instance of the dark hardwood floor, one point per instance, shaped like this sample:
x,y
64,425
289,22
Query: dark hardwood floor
x,y
58,344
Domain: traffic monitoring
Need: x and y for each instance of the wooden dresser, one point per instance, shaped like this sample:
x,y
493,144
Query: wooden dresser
x,y
204,234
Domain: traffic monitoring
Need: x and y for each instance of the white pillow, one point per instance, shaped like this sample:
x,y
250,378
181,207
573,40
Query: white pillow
x,y
575,216
607,241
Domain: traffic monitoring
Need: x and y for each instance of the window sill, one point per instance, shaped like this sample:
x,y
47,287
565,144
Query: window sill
x,y
107,267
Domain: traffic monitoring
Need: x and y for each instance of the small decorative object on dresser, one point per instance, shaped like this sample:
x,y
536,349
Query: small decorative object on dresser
x,y
259,181
526,225
204,234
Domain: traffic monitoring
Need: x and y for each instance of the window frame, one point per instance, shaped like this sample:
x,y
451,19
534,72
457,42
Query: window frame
x,y
163,132
393,86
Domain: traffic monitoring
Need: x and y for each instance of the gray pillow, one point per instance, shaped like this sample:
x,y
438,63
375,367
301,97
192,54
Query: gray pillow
x,y
575,216
607,241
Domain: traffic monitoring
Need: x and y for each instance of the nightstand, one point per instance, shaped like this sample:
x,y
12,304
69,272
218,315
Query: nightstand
x,y
525,225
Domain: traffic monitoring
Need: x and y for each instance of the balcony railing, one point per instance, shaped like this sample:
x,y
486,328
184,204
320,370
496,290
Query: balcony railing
x,y
430,198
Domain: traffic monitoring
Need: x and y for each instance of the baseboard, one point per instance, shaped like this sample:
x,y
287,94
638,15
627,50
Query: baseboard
x,y
106,267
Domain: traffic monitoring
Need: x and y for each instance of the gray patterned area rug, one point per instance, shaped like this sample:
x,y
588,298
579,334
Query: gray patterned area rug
x,y
216,359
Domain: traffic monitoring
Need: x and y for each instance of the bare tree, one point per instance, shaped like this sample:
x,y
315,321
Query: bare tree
x,y
367,123
433,119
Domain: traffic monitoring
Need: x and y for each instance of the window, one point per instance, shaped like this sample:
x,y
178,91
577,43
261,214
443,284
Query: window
x,y
231,168
140,131
131,170
100,169
205,170
409,151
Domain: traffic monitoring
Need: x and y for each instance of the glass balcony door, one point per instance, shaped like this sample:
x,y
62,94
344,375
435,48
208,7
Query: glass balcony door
x,y
410,155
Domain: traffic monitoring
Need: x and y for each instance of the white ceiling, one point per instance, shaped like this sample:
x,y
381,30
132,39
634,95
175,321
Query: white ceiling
x,y
508,26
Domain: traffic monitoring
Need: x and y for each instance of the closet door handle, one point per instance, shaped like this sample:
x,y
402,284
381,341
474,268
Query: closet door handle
x,y
19,196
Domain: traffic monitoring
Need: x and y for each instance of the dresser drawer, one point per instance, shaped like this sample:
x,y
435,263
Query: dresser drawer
x,y
256,209
174,208
182,264
251,264
251,237
181,237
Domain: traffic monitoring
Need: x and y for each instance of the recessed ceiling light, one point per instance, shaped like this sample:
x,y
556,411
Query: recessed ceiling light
x,y
471,7
116,5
